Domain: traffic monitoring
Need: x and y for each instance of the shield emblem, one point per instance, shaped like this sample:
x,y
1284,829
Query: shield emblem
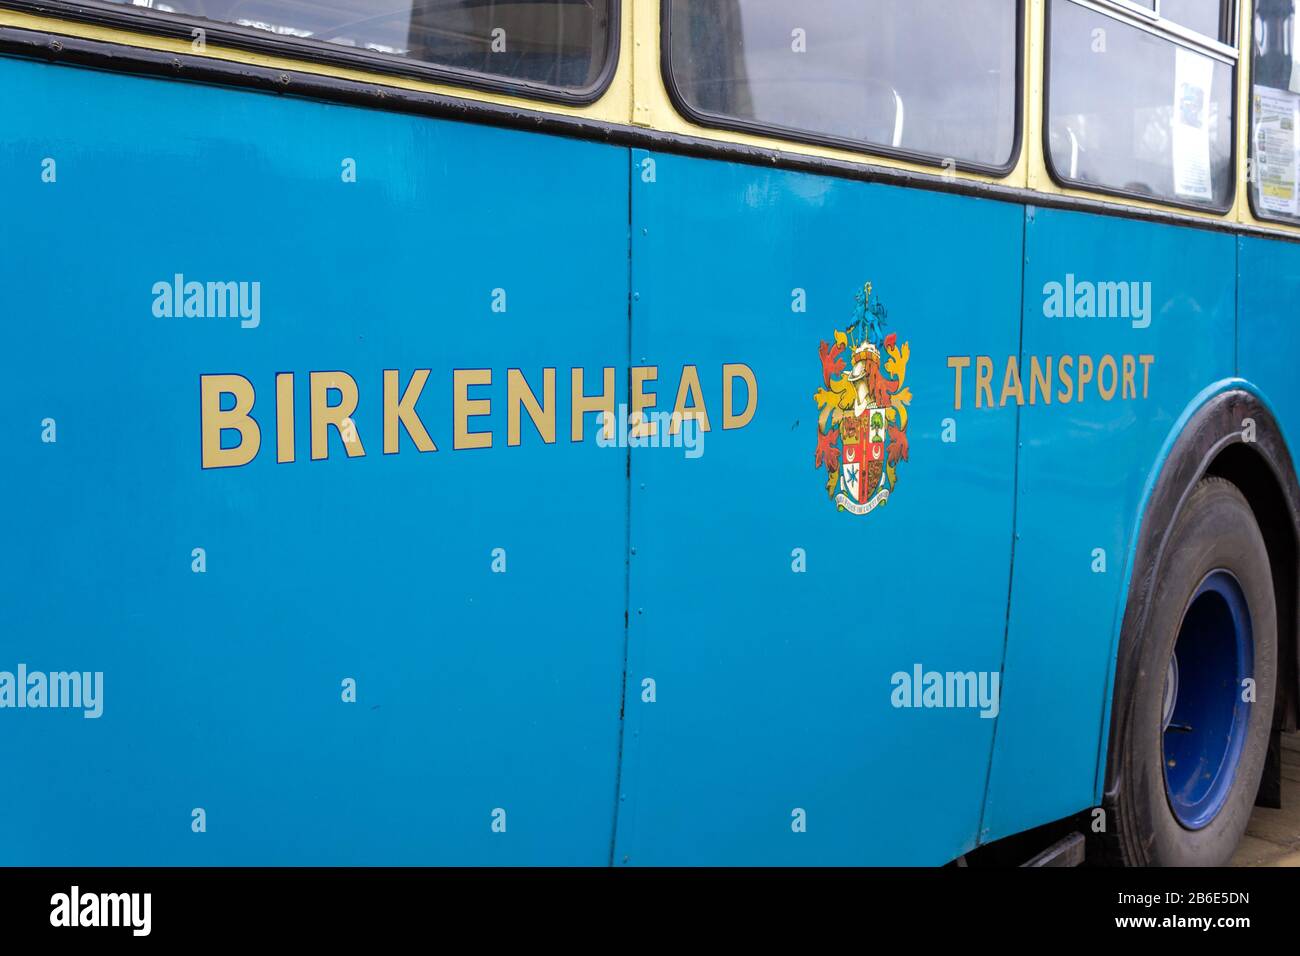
x,y
875,421
862,410
863,457
852,475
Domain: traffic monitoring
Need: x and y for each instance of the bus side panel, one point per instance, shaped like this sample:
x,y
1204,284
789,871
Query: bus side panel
x,y
1268,334
1083,465
482,696
774,735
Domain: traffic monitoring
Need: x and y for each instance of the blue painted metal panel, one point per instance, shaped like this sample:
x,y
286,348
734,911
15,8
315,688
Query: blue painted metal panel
x,y
476,690
774,691
1083,467
773,688
1268,334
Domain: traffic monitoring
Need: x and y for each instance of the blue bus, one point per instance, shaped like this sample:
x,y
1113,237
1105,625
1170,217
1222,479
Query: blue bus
x,y
647,432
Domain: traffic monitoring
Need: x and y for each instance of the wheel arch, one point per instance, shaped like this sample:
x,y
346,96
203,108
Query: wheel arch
x,y
1257,477
1228,431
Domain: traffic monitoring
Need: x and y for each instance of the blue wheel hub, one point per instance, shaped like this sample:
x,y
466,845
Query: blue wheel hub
x,y
1204,711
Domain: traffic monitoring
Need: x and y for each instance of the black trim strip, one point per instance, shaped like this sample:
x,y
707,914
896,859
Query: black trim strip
x,y
736,125
142,61
218,33
1229,14
1065,182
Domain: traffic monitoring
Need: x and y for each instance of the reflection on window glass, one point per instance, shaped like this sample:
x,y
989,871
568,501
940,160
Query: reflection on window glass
x,y
560,43
1203,16
926,76
1275,105
1132,111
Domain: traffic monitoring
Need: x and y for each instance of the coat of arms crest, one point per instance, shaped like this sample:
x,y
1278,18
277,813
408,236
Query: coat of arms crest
x,y
862,410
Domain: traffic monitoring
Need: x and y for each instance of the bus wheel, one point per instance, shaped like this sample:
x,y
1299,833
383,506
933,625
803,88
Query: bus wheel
x,y
1193,748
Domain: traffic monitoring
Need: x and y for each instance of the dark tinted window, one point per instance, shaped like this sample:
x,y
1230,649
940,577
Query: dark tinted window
x,y
1133,110
1275,111
934,77
559,43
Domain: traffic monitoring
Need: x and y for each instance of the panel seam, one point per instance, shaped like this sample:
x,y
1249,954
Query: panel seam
x,y
1015,511
627,536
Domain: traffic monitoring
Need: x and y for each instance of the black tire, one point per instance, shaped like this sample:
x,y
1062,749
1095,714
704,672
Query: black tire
x,y
1214,530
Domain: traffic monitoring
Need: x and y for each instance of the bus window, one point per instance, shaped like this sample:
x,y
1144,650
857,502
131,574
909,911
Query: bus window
x,y
1274,107
557,43
1211,18
1135,110
927,78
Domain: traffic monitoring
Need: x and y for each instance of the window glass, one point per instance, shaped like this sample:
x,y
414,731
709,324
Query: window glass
x,y
559,43
1274,109
1134,111
932,77
1203,16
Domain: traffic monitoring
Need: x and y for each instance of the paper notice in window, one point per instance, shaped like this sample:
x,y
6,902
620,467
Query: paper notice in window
x,y
1274,170
1193,75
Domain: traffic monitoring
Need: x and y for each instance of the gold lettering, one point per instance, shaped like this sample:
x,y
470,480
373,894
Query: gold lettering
x,y
1146,361
1039,379
324,415
213,421
983,381
689,387
1012,374
729,374
642,401
467,408
284,418
583,404
402,411
1063,367
957,363
1107,362
1085,373
518,395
